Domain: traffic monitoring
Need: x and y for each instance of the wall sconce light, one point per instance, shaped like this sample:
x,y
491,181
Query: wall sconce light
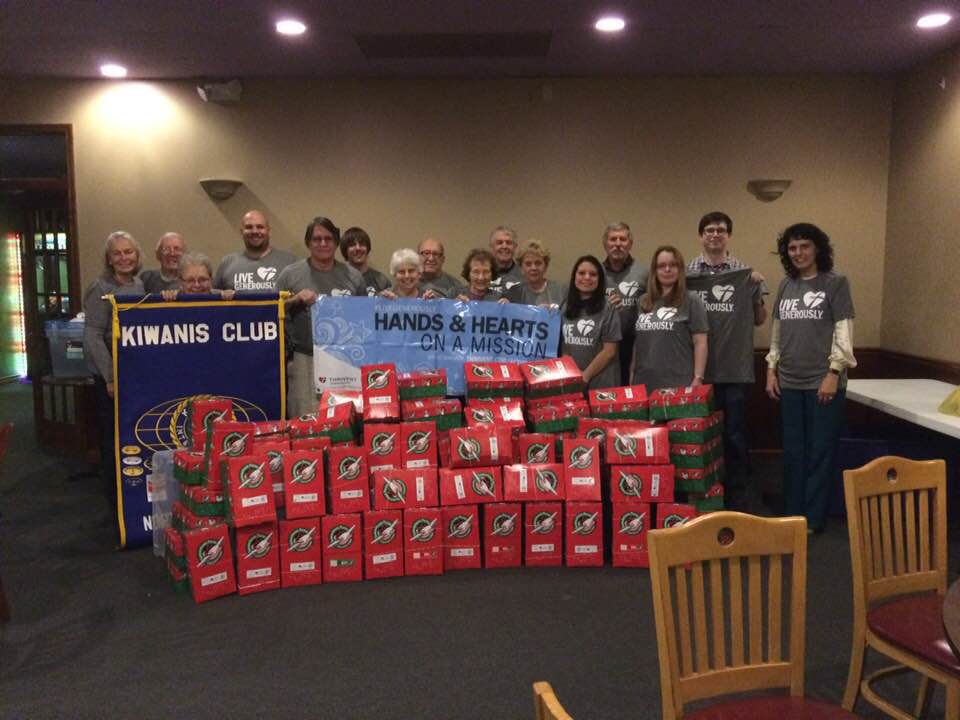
x,y
220,188
767,190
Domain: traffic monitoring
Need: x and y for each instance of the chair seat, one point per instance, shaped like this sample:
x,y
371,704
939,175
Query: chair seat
x,y
915,623
774,708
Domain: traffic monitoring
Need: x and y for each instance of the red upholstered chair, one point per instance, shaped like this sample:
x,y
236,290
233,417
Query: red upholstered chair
x,y
897,520
715,580
545,703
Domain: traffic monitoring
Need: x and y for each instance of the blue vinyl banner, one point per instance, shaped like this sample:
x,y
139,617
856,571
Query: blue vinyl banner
x,y
425,334
166,353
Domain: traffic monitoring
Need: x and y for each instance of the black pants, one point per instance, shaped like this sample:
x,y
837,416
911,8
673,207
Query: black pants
x,y
626,356
108,462
732,399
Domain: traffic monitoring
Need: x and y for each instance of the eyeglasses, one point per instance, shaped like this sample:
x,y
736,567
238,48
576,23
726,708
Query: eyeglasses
x,y
321,239
431,253
714,230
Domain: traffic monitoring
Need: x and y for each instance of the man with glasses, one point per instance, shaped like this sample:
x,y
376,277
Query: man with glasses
x,y
626,283
259,265
434,282
170,248
734,373
503,245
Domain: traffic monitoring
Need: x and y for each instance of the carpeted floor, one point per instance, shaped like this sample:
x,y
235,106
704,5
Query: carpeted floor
x,y
100,633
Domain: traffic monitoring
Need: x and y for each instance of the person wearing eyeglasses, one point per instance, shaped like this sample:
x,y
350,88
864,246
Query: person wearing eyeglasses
x,y
434,282
733,341
170,248
503,245
670,335
320,273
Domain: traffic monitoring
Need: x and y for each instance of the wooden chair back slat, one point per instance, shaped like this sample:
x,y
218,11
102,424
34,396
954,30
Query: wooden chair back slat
x,y
910,511
899,540
545,703
924,512
698,577
875,533
885,533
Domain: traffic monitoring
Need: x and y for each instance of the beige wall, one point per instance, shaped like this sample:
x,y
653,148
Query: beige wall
x,y
556,159
922,294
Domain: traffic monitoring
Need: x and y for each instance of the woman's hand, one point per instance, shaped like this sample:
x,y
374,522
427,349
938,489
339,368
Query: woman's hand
x,y
306,297
110,386
697,380
431,295
773,384
503,300
226,294
828,388
464,298
388,294
169,295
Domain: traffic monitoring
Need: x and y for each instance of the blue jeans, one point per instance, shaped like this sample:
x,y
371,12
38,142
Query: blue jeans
x,y
810,435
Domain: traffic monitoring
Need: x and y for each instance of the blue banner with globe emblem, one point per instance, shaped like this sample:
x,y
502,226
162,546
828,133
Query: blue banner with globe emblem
x,y
414,334
165,354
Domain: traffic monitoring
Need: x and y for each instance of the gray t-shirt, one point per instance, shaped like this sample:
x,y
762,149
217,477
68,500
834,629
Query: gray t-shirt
x,y
507,279
583,339
237,271
375,281
155,282
631,283
553,294
663,346
444,283
807,311
98,323
731,300
341,279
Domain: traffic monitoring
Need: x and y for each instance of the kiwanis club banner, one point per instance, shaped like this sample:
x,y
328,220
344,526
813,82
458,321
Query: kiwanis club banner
x,y
728,298
424,334
166,353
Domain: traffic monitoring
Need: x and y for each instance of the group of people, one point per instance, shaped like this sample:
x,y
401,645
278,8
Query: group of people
x,y
623,321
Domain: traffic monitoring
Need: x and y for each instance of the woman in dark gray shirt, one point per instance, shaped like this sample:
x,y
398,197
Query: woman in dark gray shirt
x,y
534,259
122,260
811,347
591,327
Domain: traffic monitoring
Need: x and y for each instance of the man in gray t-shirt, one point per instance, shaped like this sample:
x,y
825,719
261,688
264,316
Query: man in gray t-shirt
x,y
257,267
503,244
433,277
626,283
170,248
306,280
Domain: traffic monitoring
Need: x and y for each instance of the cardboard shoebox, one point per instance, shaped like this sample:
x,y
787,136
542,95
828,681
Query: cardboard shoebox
x,y
311,443
342,540
630,525
461,537
340,397
674,514
681,402
301,552
201,413
557,415
693,479
473,485
629,402
557,376
524,483
405,488
248,491
347,479
636,484
228,439
422,383
480,446
265,430
537,448
633,442
174,549
418,444
422,541
382,444
379,385
696,455
696,431
502,535
182,518
445,413
258,558
382,544
506,413
203,502
709,501
584,534
492,379
303,484
543,533
581,472
189,468
275,448
210,562
337,422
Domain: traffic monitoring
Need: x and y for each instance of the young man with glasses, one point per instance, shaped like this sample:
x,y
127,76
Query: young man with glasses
x,y
433,280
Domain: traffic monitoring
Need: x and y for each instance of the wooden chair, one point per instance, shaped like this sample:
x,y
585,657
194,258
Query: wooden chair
x,y
545,703
897,520
729,599
6,430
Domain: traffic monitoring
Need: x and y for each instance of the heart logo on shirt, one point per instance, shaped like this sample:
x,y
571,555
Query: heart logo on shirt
x,y
665,313
722,292
336,292
507,284
812,299
628,289
266,273
585,326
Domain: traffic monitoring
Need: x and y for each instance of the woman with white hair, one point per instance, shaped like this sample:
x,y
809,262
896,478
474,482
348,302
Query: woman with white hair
x,y
406,268
122,261
195,276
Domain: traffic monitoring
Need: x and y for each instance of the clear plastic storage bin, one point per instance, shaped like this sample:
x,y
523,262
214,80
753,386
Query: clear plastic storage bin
x,y
66,347
164,490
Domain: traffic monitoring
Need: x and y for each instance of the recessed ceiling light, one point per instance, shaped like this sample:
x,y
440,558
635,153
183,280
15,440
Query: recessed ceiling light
x,y
933,20
610,23
112,70
291,27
